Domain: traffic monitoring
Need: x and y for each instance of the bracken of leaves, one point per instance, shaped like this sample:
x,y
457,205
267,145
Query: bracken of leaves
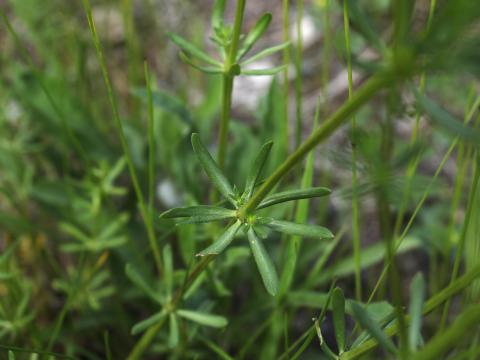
x,y
252,224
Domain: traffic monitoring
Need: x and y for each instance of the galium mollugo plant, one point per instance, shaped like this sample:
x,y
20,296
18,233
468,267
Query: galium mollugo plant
x,y
251,223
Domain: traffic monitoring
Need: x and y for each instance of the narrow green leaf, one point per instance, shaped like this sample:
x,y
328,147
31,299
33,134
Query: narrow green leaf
x,y
211,168
11,355
293,195
223,241
371,326
203,318
204,69
417,297
264,263
261,72
338,304
202,211
291,228
191,49
218,12
136,278
145,324
257,167
254,34
168,269
445,119
173,330
266,52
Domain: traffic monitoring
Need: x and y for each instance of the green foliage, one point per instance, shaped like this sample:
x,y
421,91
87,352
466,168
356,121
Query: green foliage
x,y
250,221
95,143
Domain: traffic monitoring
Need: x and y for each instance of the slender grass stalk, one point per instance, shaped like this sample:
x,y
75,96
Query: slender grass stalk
x,y
413,164
324,83
301,216
355,213
299,73
286,61
326,48
123,140
151,144
461,242
228,83
371,87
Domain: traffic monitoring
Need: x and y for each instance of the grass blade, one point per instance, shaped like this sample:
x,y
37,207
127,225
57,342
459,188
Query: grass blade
x,y
264,263
368,324
293,195
223,241
202,318
254,34
211,168
338,303
256,170
291,228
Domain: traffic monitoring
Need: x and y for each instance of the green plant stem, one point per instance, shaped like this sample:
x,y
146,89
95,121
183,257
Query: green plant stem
x,y
412,166
301,217
372,86
123,140
151,144
355,212
145,341
225,118
463,236
286,61
228,84
298,73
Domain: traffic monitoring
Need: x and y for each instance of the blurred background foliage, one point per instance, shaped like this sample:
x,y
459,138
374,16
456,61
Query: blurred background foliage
x,y
69,219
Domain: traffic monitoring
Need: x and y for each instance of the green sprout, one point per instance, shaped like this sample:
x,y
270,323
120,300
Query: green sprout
x,y
251,223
